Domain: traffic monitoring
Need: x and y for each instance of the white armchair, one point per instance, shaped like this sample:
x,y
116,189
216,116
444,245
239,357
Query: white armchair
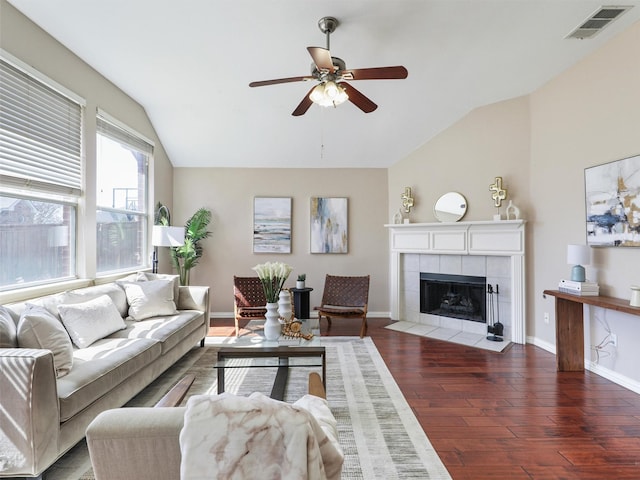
x,y
252,435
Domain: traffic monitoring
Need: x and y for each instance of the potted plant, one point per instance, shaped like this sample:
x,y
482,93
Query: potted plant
x,y
186,256
300,282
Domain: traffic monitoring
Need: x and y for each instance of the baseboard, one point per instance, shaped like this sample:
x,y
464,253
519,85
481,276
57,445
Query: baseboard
x,y
612,376
549,347
313,315
593,367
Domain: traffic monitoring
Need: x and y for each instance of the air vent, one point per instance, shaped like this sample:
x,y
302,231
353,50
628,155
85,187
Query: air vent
x,y
596,22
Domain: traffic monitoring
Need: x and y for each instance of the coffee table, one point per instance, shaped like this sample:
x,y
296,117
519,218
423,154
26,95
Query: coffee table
x,y
282,357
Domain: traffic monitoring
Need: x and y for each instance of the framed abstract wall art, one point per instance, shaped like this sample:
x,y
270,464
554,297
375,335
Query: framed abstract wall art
x,y
612,195
272,225
329,226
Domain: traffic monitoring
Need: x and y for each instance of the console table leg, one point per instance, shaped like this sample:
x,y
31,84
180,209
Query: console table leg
x,y
569,336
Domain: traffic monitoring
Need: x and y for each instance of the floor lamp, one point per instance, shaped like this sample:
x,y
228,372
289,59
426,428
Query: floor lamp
x,y
165,236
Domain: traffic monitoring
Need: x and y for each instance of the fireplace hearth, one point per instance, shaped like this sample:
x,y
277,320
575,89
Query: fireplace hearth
x,y
456,296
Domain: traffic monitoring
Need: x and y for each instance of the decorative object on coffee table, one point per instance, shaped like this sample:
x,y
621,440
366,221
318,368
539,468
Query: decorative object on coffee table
x,y
284,306
301,279
272,275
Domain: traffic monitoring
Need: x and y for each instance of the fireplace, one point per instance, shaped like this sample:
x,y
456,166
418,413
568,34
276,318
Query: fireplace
x,y
494,250
455,296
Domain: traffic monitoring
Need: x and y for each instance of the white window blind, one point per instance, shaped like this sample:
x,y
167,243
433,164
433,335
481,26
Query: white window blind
x,y
110,127
40,135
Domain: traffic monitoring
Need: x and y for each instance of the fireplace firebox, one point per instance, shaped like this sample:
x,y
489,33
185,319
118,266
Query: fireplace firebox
x,y
456,296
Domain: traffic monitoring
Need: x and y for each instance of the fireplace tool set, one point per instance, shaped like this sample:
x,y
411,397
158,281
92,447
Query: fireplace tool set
x,y
494,327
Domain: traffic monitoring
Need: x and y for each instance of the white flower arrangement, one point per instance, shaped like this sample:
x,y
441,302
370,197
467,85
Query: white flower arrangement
x,y
272,275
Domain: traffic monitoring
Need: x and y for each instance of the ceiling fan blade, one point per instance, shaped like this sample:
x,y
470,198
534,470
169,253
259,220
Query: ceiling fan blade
x,y
304,105
280,80
378,73
358,99
322,58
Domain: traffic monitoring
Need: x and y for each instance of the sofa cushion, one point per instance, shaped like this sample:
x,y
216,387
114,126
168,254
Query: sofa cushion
x,y
169,330
38,328
149,298
101,367
89,321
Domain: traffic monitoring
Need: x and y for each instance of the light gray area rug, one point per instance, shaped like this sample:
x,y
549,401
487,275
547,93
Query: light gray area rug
x,y
378,432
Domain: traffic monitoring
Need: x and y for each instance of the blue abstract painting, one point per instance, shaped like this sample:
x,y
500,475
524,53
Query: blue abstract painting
x,y
272,225
329,225
613,203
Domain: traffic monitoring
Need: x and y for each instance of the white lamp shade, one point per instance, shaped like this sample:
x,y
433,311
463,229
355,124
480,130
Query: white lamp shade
x,y
162,236
578,255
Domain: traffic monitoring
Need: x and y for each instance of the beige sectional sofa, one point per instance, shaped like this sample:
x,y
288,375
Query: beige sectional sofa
x,y
52,387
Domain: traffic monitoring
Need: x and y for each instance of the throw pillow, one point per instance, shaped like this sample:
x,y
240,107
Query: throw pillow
x,y
114,291
89,321
8,338
38,328
149,299
163,276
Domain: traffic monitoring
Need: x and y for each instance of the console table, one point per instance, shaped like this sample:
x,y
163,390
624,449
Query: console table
x,y
570,325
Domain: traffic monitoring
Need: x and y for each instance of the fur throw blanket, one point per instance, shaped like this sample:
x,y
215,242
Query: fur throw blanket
x,y
232,437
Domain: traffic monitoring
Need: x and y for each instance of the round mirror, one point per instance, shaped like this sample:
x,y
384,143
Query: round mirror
x,y
450,207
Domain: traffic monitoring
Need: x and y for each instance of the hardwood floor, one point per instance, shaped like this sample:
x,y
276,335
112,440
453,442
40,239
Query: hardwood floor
x,y
509,415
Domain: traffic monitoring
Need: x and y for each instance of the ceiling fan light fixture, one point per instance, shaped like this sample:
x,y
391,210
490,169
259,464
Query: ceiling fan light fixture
x,y
328,94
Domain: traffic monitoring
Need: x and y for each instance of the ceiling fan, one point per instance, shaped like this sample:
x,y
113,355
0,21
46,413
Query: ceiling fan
x,y
331,73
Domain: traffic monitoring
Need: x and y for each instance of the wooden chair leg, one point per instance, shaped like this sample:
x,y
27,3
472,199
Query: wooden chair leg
x,y
237,328
363,329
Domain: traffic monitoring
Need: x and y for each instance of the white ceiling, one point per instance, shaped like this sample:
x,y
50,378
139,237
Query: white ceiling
x,y
189,64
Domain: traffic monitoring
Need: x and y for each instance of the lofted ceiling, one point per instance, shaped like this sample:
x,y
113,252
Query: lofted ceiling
x,y
189,64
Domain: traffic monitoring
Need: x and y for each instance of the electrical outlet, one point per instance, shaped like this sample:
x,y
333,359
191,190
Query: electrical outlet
x,y
614,339
546,317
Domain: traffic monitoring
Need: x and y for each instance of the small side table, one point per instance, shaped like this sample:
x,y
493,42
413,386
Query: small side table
x,y
301,301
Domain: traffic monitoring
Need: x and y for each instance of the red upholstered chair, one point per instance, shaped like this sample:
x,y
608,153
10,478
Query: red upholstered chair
x,y
345,297
248,299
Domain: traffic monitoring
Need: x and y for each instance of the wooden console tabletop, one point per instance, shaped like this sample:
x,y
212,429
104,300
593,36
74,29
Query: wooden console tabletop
x,y
570,326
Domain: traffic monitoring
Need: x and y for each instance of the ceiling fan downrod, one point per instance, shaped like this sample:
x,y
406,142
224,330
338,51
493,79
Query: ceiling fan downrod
x,y
328,25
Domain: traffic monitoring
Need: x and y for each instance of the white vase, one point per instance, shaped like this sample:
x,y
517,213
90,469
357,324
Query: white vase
x,y
299,284
272,327
284,306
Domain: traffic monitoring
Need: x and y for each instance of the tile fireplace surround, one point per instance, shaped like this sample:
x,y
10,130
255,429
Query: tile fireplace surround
x,y
492,249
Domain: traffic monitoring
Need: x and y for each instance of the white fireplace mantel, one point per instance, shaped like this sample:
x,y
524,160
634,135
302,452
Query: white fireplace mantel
x,y
490,238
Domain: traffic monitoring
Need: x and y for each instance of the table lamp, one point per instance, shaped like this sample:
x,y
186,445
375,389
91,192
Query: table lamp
x,y
578,255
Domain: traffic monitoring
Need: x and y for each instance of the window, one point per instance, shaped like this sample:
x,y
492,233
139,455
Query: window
x,y
40,176
122,214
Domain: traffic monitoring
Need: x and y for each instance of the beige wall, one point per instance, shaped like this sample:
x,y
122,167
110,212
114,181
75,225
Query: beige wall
x,y
489,142
229,193
588,116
